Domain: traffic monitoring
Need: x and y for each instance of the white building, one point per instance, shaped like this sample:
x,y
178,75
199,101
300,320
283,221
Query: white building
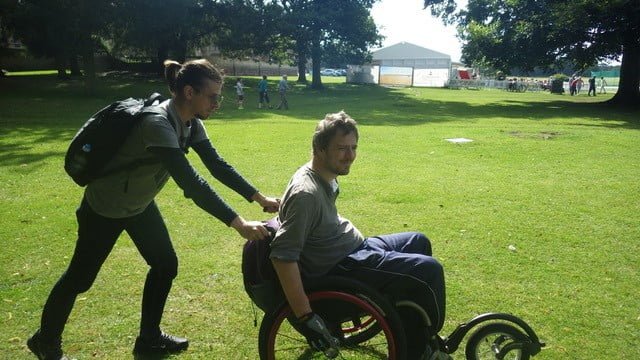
x,y
404,64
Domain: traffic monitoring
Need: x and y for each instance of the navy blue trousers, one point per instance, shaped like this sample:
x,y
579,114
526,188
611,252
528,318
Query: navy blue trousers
x,y
96,237
401,264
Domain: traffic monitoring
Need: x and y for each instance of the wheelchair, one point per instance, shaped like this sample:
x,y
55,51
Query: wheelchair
x,y
368,326
367,323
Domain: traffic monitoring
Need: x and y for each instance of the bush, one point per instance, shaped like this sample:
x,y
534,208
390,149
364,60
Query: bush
x,y
556,83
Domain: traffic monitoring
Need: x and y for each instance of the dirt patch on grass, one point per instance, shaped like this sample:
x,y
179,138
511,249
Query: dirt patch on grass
x,y
543,135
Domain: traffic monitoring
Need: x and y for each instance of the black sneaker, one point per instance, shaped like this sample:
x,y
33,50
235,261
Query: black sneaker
x,y
163,344
45,350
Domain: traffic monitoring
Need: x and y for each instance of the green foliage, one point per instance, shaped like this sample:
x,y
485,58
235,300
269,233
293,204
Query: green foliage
x,y
561,77
162,29
530,33
554,176
340,30
63,30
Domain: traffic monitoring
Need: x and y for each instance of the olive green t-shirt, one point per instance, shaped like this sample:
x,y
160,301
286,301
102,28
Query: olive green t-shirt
x,y
128,192
311,231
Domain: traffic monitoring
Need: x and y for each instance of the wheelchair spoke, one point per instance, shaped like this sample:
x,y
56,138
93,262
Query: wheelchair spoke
x,y
364,333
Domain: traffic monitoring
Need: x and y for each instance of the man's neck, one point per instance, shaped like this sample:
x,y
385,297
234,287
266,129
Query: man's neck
x,y
328,176
184,114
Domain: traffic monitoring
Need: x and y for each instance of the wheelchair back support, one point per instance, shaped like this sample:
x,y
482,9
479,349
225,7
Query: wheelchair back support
x,y
260,279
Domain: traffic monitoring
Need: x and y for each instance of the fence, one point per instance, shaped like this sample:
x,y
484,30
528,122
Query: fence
x,y
509,85
252,68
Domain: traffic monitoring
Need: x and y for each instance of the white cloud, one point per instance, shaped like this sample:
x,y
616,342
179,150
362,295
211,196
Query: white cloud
x,y
405,20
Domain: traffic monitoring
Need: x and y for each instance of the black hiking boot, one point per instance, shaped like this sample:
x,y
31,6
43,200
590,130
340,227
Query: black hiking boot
x,y
163,344
45,349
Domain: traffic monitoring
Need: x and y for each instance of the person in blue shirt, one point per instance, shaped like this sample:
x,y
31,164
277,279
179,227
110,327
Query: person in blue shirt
x,y
263,91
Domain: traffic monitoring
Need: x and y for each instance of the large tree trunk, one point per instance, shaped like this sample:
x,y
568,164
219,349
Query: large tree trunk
x,y
89,64
628,94
316,60
161,55
181,50
74,65
301,54
61,66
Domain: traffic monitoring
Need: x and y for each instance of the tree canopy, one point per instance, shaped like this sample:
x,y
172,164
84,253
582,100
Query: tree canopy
x,y
316,26
278,30
529,33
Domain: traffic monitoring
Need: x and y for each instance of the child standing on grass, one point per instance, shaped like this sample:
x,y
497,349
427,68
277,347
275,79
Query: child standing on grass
x,y
240,93
262,90
283,86
603,84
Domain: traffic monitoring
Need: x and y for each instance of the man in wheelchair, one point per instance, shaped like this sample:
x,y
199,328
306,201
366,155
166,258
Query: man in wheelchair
x,y
314,240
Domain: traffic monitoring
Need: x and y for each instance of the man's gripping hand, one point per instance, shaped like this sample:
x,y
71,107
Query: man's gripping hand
x,y
314,329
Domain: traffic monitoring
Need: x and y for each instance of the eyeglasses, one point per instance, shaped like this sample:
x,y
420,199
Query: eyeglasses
x,y
214,99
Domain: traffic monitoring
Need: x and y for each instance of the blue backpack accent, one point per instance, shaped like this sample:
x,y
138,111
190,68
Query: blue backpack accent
x,y
100,138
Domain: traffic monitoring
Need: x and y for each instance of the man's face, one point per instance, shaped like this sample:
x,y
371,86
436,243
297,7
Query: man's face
x,y
207,100
337,158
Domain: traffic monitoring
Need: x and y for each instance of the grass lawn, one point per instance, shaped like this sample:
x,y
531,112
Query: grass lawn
x,y
539,216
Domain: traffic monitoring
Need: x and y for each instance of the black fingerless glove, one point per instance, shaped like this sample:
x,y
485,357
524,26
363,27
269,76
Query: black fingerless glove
x,y
315,331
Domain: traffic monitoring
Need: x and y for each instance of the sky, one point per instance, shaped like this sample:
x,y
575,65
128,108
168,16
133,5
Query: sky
x,y
405,20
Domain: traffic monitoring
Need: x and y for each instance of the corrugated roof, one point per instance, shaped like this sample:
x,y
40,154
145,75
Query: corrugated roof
x,y
405,50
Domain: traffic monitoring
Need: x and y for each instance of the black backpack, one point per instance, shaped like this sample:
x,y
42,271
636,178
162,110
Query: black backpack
x,y
99,139
260,279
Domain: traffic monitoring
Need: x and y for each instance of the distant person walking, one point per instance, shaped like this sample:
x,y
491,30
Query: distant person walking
x,y
592,86
283,86
603,84
572,86
240,93
264,94
579,83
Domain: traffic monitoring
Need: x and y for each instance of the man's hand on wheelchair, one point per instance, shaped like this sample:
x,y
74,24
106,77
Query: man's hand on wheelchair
x,y
314,329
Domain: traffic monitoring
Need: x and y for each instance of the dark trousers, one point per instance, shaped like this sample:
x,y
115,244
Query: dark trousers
x,y
96,238
284,103
401,264
264,97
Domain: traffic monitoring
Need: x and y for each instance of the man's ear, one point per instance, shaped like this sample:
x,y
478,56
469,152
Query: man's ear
x,y
189,92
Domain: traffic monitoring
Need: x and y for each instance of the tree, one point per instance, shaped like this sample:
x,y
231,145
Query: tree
x,y
314,24
350,37
63,30
529,33
251,28
162,29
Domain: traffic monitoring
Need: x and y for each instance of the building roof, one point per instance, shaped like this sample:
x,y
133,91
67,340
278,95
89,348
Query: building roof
x,y
405,50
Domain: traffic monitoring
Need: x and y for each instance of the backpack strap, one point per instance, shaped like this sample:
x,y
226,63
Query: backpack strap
x,y
150,107
154,99
174,125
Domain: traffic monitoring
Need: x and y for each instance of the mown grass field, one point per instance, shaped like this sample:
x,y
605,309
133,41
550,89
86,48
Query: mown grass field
x,y
554,177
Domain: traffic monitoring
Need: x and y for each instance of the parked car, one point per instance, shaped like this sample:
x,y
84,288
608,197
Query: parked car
x,y
341,72
328,72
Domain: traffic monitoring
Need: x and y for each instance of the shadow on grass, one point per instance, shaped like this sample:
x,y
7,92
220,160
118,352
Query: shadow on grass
x,y
375,105
35,110
22,152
